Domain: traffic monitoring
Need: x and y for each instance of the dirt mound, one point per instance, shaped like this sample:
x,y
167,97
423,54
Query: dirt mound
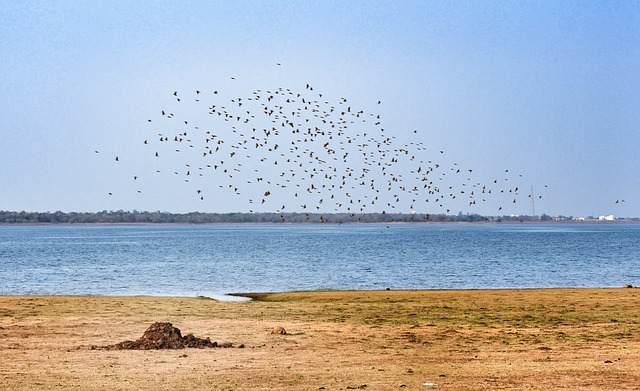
x,y
165,336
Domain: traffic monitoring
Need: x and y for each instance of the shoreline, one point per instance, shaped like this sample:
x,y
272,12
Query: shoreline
x,y
245,296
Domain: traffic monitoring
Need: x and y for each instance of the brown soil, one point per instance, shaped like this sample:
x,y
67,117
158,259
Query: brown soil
x,y
538,339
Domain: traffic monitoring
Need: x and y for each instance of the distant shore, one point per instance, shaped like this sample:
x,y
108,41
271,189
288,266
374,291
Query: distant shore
x,y
137,218
511,222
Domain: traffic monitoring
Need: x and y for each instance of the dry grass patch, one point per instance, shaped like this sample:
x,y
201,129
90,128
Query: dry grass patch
x,y
336,340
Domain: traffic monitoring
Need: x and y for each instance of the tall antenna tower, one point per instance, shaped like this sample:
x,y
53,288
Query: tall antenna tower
x,y
532,203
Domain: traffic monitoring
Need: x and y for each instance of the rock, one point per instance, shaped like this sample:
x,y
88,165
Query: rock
x,y
279,330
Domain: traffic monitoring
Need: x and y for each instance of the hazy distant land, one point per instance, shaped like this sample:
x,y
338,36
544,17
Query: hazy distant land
x,y
138,217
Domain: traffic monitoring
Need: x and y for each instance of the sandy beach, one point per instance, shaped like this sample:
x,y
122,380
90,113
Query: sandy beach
x,y
535,339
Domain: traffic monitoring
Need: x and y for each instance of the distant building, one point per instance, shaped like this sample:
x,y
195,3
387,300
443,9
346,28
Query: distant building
x,y
607,218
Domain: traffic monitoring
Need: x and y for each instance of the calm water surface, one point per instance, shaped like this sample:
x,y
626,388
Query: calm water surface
x,y
217,259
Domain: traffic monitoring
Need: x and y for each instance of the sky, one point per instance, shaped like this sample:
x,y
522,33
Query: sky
x,y
542,96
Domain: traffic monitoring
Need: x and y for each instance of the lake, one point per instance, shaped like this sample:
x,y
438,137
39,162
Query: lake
x,y
213,260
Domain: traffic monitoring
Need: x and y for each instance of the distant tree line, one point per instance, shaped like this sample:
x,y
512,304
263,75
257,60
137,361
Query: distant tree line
x,y
157,217
138,217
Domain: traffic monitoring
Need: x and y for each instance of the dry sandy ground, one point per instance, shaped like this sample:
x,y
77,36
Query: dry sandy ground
x,y
549,339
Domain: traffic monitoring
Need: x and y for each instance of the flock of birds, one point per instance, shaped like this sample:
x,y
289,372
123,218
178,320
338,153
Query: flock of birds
x,y
287,150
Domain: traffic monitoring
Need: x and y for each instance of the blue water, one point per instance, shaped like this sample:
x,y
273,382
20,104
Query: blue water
x,y
217,259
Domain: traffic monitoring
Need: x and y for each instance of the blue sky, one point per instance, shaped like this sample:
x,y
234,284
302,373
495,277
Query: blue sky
x,y
545,89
